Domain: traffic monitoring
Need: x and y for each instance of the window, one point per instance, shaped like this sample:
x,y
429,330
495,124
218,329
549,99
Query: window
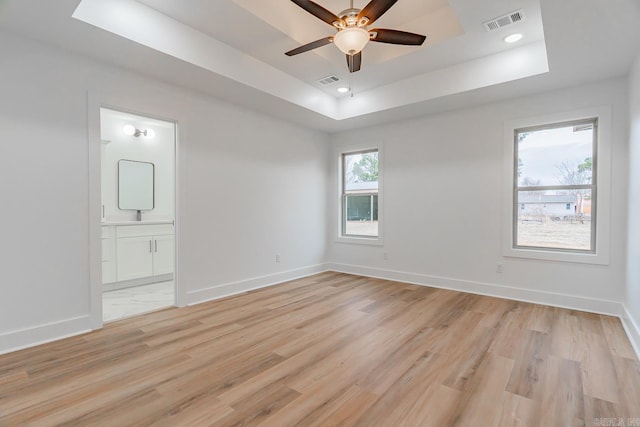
x,y
554,174
360,194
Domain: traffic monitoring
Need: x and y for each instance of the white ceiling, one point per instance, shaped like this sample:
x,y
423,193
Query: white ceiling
x,y
265,29
234,49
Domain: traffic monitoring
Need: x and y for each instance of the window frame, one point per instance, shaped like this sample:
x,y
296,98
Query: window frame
x,y
592,187
603,136
344,194
340,153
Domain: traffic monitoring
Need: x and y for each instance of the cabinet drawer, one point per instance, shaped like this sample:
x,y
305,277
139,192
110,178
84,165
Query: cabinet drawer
x,y
144,230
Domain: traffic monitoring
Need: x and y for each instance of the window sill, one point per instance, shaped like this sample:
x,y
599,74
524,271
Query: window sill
x,y
558,256
371,241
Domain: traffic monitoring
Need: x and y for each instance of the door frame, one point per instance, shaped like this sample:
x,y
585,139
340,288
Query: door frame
x,y
140,106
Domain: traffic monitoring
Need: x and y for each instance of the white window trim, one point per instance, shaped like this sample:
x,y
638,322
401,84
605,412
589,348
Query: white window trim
x,y
346,149
603,218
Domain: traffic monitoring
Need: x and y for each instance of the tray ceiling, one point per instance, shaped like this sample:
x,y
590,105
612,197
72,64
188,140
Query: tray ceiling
x,y
245,40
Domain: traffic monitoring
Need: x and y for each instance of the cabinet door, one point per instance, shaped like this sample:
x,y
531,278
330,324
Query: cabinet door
x,y
163,257
135,257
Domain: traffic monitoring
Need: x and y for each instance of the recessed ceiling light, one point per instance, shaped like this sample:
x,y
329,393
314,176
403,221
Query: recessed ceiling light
x,y
513,38
343,89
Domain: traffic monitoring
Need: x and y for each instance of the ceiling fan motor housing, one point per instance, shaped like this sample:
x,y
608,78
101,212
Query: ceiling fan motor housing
x,y
350,18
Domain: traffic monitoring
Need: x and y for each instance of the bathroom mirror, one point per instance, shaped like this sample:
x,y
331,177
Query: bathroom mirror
x,y
135,185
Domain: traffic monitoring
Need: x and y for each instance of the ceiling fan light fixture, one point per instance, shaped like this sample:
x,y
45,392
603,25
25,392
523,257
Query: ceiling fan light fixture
x,y
351,40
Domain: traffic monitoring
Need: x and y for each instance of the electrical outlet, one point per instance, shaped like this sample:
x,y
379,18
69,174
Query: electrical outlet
x,y
277,258
499,267
385,256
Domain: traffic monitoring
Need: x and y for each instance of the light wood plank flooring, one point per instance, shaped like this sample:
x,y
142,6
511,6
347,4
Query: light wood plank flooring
x,y
332,349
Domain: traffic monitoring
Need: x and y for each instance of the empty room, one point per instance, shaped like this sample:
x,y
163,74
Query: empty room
x,y
320,213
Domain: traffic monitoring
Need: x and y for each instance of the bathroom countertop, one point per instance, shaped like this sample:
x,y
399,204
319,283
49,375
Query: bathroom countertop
x,y
150,222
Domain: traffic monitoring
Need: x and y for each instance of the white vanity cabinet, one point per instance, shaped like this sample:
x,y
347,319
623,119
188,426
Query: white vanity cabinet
x,y
144,251
135,253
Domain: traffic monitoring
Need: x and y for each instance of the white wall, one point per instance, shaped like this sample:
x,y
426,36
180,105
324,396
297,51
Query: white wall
x,y
159,150
633,255
255,187
249,186
443,191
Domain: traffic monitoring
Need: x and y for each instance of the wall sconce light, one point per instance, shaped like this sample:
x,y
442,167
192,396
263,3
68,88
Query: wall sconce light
x,y
131,130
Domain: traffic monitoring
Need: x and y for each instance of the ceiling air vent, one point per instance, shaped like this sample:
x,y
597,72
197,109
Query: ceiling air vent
x,y
503,21
328,80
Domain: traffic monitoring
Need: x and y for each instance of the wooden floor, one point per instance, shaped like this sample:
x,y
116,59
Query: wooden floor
x,y
333,349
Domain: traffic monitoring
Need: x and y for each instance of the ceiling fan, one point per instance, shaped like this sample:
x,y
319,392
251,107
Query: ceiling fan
x,y
353,34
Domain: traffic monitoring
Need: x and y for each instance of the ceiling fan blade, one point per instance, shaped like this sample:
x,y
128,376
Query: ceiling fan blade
x,y
310,46
319,12
382,35
374,10
354,62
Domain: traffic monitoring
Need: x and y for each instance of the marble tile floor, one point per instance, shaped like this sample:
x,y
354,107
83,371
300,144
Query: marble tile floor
x,y
129,302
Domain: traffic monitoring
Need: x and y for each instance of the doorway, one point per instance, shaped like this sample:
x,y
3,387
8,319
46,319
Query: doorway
x,y
138,214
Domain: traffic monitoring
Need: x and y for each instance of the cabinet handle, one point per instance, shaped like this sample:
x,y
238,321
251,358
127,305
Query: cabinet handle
x,y
156,242
150,246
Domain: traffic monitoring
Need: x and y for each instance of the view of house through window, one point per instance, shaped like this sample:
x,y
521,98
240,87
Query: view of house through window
x,y
555,186
360,194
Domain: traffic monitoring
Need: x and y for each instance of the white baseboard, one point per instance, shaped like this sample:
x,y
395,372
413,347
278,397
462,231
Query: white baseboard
x,y
228,289
632,329
41,334
572,302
